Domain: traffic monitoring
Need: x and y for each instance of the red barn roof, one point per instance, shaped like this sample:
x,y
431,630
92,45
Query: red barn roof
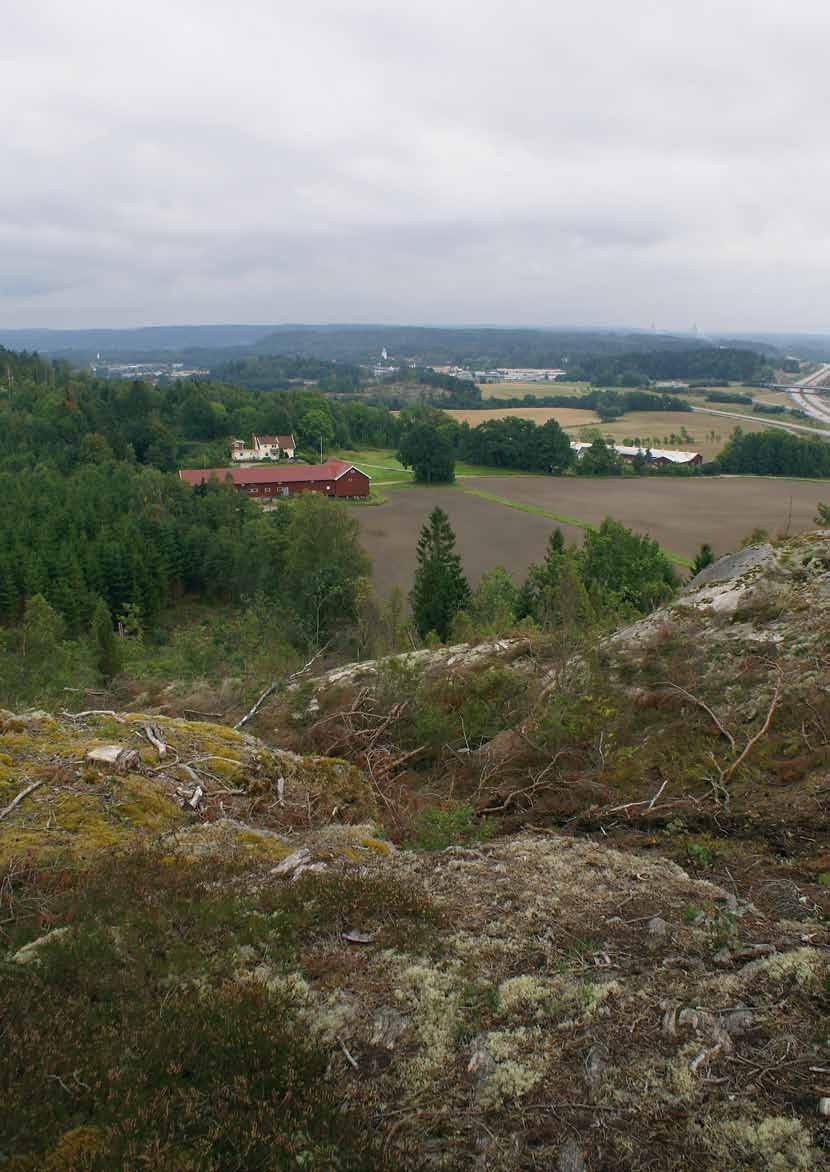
x,y
275,474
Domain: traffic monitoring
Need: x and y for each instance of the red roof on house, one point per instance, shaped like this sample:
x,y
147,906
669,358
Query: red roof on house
x,y
275,474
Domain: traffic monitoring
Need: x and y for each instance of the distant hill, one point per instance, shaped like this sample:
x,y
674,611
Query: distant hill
x,y
481,347
126,342
810,346
485,347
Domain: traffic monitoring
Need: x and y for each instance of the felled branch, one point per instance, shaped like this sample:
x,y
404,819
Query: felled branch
x,y
154,737
93,712
753,741
713,715
16,801
272,687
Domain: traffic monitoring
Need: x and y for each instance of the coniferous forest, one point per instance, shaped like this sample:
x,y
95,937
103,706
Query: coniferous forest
x,y
99,529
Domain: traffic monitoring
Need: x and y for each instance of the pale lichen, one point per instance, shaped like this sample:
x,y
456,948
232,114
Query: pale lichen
x,y
772,1144
519,1066
434,996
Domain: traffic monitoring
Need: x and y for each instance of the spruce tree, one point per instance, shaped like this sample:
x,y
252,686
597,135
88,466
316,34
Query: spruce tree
x,y
105,644
537,595
704,558
440,589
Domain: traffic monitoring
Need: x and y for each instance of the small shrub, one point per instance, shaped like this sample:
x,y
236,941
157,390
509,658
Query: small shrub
x,y
703,855
441,826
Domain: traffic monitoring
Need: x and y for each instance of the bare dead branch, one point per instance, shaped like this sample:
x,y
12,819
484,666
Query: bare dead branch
x,y
272,687
16,801
154,737
753,741
93,712
714,717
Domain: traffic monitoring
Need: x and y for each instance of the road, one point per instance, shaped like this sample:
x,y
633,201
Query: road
x,y
813,431
805,394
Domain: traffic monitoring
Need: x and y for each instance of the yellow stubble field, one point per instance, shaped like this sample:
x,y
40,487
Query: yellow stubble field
x,y
566,417
538,390
708,433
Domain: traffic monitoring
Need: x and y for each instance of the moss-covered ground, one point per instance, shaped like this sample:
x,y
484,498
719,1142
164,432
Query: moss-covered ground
x,y
527,903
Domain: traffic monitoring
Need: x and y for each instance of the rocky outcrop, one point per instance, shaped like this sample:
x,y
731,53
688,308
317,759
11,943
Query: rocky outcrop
x,y
310,696
109,780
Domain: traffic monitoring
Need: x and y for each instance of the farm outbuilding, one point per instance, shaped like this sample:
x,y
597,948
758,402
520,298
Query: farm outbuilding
x,y
662,456
335,478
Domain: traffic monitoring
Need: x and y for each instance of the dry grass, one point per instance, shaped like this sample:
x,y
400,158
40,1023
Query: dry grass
x,y
654,429
540,390
565,416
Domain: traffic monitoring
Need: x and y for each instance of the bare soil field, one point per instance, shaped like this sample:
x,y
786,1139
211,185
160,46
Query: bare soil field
x,y
680,514
488,534
567,417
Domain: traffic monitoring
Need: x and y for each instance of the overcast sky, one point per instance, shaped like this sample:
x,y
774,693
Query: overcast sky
x,y
606,162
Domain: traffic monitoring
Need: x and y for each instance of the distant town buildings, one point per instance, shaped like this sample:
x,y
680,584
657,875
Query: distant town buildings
x,y
517,374
147,371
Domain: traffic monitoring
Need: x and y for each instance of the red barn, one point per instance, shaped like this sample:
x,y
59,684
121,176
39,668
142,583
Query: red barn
x,y
335,478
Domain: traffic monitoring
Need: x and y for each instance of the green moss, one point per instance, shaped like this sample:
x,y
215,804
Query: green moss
x,y
84,810
97,816
76,1150
228,840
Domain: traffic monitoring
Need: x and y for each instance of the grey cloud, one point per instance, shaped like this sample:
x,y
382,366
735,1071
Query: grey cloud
x,y
616,162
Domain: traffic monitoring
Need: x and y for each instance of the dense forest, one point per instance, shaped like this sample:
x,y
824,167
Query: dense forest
x,y
278,372
640,367
774,453
52,412
608,404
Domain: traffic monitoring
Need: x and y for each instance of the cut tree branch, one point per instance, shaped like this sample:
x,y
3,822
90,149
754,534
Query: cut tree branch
x,y
702,704
272,687
16,801
762,731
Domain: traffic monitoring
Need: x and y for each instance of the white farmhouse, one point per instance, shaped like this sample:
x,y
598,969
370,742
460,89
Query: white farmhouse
x,y
264,447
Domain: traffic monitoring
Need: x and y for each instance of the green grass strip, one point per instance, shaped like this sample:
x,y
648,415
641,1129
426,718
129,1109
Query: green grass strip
x,y
560,517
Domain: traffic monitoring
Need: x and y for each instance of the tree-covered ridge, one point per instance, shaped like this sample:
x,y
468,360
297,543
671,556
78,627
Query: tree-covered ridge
x,y
481,347
267,372
643,366
48,411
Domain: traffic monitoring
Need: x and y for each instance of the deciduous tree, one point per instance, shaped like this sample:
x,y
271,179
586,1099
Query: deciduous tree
x,y
428,451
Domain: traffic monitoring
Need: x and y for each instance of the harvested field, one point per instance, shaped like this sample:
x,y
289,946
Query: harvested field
x,y
538,390
567,417
681,514
709,433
